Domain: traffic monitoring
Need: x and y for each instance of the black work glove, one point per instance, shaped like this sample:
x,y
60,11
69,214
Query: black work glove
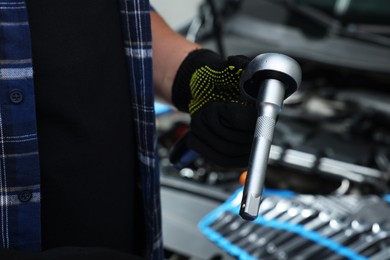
x,y
222,123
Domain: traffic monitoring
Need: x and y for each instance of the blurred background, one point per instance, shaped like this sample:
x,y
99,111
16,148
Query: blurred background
x,y
331,147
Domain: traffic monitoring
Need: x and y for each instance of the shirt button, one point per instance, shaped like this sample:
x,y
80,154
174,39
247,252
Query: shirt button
x,y
25,196
16,96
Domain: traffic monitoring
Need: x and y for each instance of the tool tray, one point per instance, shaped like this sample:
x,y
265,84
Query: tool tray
x,y
294,226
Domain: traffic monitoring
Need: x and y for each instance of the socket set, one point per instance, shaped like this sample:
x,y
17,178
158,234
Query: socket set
x,y
295,226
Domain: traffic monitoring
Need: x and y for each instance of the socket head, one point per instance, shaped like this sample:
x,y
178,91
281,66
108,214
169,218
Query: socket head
x,y
270,66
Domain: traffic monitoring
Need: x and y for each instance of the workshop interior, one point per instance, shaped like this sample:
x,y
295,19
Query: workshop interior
x,y
326,189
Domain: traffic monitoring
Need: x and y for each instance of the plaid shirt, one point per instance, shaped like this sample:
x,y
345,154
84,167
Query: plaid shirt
x,y
19,165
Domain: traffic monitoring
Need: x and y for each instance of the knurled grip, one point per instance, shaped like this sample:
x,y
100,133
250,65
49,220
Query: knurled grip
x,y
265,127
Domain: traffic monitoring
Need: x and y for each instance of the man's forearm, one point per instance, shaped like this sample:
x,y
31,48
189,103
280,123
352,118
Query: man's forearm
x,y
169,50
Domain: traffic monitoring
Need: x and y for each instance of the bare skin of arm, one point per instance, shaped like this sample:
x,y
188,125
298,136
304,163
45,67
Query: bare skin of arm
x,y
169,50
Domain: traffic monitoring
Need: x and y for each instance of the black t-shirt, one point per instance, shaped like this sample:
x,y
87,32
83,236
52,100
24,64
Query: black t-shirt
x,y
85,129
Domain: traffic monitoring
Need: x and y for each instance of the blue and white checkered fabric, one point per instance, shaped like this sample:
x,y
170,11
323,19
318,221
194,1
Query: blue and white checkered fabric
x,y
19,160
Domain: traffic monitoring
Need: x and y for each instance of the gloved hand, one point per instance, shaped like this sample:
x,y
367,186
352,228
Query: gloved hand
x,y
222,123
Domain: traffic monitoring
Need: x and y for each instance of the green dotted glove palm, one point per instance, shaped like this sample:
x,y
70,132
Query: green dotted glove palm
x,y
222,123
